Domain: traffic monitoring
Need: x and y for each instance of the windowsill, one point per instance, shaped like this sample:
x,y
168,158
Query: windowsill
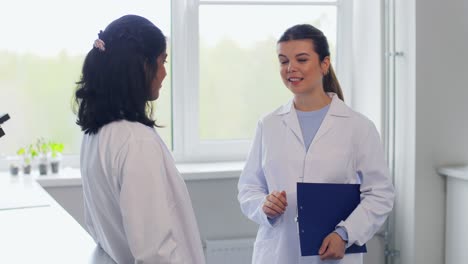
x,y
69,177
459,172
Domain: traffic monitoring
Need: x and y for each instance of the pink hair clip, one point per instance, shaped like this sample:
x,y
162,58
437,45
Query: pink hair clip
x,y
100,45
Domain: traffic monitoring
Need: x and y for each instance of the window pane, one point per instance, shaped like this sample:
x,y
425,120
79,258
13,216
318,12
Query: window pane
x,y
41,58
239,69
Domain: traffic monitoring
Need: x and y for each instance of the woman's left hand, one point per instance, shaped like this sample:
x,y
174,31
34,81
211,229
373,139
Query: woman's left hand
x,y
333,247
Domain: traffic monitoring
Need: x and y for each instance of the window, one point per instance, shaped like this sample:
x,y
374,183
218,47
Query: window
x,y
228,76
223,73
41,55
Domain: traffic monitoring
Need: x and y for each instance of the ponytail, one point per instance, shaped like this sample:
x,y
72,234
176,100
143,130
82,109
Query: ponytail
x,y
331,84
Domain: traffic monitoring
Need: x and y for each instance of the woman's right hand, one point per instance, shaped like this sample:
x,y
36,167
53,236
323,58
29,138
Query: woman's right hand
x,y
275,204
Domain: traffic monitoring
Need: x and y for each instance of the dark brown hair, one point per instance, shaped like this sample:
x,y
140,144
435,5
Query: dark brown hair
x,y
115,81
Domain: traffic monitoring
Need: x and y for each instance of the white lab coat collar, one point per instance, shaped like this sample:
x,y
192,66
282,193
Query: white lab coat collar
x,y
337,108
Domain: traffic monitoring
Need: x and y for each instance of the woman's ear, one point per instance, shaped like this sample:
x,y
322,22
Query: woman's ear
x,y
325,65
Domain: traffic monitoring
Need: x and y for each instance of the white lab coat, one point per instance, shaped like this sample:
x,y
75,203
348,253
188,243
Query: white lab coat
x,y
346,145
137,207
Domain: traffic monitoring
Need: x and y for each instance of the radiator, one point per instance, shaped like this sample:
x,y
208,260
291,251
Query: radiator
x,y
231,251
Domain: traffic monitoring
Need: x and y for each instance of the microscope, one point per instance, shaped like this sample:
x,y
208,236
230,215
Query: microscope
x,y
3,119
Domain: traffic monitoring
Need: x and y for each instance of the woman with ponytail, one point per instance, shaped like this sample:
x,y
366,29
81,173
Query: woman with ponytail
x,y
316,138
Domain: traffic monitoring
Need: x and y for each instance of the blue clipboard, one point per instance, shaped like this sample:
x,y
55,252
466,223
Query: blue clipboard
x,y
321,206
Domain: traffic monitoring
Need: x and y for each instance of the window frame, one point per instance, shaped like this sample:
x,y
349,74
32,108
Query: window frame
x,y
187,145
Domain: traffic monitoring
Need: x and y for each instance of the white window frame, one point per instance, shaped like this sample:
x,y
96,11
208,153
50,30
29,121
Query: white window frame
x,y
187,146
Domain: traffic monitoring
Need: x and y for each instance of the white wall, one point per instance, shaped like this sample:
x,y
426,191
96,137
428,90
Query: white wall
x,y
433,89
441,109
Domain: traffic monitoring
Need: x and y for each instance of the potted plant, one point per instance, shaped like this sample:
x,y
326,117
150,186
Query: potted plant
x,y
28,154
43,154
56,155
14,165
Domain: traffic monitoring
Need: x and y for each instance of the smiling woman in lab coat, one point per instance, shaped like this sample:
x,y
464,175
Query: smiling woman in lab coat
x,y
316,138
137,207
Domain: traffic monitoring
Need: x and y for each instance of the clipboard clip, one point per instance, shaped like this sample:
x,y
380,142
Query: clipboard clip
x,y
296,219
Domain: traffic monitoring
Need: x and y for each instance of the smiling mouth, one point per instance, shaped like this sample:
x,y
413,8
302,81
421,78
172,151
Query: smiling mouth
x,y
294,79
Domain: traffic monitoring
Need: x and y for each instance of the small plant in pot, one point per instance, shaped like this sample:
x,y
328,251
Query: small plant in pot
x,y
14,165
43,156
56,155
28,154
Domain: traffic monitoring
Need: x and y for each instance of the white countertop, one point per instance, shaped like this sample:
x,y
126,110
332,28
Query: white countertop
x,y
459,172
21,192
34,228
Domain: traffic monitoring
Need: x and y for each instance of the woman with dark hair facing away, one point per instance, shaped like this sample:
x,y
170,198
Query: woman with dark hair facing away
x,y
137,207
313,138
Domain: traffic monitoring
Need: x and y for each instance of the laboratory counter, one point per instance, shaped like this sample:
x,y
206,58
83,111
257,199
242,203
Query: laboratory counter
x,y
34,228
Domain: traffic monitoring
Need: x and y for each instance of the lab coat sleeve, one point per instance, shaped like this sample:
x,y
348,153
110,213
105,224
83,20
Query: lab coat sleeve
x,y
252,185
377,192
145,205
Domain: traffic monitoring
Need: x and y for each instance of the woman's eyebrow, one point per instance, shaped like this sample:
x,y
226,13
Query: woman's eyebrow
x,y
303,53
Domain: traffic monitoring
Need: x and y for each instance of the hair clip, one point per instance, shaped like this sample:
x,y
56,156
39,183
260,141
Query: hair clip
x,y
100,45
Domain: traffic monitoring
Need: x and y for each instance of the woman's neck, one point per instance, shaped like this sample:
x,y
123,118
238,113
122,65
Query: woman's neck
x,y
311,102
